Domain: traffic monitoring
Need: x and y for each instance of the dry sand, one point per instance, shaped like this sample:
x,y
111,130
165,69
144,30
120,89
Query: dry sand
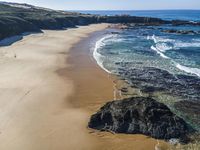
x,y
47,94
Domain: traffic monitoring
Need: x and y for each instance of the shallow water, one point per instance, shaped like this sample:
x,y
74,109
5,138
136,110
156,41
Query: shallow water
x,y
152,60
150,46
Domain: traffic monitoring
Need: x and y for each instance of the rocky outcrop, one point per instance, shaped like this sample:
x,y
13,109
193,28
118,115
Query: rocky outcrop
x,y
140,115
184,22
133,20
151,79
190,109
28,18
181,31
182,90
10,26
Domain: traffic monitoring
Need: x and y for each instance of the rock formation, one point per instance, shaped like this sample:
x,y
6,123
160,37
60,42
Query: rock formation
x,y
140,115
19,18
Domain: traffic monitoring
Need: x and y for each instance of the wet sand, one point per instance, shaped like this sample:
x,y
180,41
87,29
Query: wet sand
x,y
49,87
93,88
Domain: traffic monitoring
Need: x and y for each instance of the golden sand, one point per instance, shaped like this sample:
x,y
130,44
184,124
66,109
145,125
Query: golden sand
x,y
93,88
47,94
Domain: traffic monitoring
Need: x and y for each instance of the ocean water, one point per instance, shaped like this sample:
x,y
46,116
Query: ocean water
x,y
191,15
121,52
151,47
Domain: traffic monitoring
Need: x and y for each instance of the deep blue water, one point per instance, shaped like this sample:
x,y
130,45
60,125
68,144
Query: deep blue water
x,y
191,15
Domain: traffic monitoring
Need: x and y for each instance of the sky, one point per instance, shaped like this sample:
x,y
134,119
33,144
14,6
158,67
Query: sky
x,y
113,4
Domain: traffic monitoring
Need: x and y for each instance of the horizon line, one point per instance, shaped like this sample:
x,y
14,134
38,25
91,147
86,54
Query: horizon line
x,y
126,9
7,1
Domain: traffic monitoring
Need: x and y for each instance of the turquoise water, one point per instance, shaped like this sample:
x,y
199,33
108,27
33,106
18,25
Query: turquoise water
x,y
151,47
132,53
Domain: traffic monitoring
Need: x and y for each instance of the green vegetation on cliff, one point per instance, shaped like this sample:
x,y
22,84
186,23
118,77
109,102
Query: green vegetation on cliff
x,y
18,18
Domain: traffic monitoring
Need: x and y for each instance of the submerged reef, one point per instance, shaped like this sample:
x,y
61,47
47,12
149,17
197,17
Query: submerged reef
x,y
185,89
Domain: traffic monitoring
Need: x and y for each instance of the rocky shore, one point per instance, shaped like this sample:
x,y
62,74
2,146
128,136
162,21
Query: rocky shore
x,y
140,115
182,31
151,81
134,115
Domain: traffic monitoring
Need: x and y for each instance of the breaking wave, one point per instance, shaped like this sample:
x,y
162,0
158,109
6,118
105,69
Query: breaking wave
x,y
159,52
99,57
190,70
160,45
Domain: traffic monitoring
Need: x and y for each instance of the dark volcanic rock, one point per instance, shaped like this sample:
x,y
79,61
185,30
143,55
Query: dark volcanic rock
x,y
150,79
181,31
184,22
189,108
140,115
183,90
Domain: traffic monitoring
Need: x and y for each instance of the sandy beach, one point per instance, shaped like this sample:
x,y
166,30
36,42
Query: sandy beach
x,y
49,87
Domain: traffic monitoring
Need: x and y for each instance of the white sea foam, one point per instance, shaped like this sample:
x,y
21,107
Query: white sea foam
x,y
158,39
159,52
114,39
164,44
196,40
163,47
180,44
155,39
174,141
193,21
97,56
190,70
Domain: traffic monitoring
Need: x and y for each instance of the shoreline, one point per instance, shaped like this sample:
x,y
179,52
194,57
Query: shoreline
x,y
34,99
50,86
100,91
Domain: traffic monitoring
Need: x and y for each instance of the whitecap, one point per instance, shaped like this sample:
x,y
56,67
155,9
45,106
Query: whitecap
x,y
159,52
190,70
193,21
155,39
163,47
186,44
158,39
196,40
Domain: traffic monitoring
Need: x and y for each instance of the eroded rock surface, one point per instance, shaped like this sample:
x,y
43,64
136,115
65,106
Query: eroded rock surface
x,y
140,115
150,79
191,32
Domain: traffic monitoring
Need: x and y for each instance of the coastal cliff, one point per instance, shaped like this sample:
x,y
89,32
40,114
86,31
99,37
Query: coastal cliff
x,y
19,18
